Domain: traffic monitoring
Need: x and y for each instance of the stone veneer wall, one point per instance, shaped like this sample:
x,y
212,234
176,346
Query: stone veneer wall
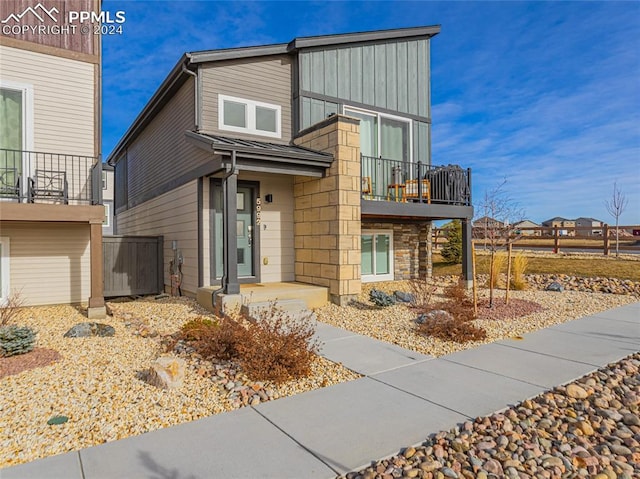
x,y
411,248
327,211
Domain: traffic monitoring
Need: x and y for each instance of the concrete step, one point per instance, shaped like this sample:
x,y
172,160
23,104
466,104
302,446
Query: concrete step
x,y
293,308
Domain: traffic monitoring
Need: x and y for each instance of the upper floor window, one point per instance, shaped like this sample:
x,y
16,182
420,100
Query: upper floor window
x,y
248,116
383,135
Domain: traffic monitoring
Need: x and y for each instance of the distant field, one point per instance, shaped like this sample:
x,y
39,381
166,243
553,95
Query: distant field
x,y
585,267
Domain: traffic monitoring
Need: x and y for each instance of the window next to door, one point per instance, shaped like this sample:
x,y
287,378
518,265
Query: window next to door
x,y
377,255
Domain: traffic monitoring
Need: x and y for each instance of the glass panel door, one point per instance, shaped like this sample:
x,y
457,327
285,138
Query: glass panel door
x,y
245,231
394,145
11,138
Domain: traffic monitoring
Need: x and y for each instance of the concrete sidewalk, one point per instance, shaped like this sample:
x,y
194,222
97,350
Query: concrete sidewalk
x,y
403,397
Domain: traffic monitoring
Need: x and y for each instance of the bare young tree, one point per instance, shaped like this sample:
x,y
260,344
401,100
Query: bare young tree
x,y
616,206
499,215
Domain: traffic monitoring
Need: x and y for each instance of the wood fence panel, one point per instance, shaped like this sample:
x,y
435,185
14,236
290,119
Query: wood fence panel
x,y
133,265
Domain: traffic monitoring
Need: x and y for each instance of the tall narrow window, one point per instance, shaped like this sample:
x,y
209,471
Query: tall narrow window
x,y
377,255
4,270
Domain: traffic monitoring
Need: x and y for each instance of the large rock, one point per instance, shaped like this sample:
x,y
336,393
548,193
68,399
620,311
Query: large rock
x,y
402,297
555,287
166,372
86,330
435,315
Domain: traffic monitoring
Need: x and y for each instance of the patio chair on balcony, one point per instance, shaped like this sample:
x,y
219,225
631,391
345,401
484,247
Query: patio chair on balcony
x,y
411,190
50,185
9,183
367,191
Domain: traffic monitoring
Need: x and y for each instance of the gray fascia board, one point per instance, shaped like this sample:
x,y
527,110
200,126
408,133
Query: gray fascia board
x,y
175,78
430,211
326,40
236,53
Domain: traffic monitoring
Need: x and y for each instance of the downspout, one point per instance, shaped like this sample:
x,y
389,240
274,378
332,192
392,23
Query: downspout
x,y
232,169
196,89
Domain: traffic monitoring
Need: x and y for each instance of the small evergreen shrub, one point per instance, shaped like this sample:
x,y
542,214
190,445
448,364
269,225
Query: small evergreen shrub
x,y
380,298
16,340
452,249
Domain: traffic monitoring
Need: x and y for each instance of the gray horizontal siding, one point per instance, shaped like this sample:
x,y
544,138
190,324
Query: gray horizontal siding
x,y
160,153
266,79
393,75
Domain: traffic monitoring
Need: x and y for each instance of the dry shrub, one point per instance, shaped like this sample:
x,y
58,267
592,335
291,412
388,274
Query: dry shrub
x,y
456,330
275,347
518,267
422,291
11,308
499,260
278,347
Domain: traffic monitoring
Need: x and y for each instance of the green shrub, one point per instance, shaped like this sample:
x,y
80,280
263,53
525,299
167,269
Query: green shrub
x,y
380,298
452,249
16,340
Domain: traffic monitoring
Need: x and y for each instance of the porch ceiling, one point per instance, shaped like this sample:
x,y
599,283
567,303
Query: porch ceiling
x,y
262,156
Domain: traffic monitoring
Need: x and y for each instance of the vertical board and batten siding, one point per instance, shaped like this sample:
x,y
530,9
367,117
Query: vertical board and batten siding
x,y
63,99
265,79
132,265
160,154
50,262
174,216
391,75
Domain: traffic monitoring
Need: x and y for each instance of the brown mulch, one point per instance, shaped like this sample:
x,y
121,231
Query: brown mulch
x,y
37,358
515,309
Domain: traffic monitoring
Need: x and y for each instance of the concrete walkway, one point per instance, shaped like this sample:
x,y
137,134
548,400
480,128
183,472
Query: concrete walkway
x,y
402,398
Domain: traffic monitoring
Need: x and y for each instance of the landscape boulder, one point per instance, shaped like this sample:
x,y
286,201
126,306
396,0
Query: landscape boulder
x,y
555,286
435,315
402,297
86,330
166,372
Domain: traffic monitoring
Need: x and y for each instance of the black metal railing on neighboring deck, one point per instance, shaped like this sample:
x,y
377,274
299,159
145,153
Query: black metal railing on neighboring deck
x,y
38,177
416,182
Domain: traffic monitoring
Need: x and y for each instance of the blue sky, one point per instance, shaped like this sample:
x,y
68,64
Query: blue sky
x,y
543,94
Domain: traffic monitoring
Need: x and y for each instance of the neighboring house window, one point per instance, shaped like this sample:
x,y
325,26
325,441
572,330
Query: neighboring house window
x,y
4,270
383,135
377,255
104,180
107,217
16,134
248,116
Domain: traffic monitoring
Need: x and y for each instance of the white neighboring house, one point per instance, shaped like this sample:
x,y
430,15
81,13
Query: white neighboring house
x,y
108,227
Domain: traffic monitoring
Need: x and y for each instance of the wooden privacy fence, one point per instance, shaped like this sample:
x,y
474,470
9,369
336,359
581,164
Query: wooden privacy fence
x,y
133,265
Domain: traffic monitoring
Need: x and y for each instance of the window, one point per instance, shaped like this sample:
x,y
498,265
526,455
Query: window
x,y
248,116
104,180
377,255
106,222
4,270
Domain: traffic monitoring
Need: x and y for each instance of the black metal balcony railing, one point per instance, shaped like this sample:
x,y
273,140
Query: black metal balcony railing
x,y
37,177
416,182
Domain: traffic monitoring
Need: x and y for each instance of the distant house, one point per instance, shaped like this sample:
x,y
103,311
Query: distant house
x,y
592,226
564,225
524,228
487,222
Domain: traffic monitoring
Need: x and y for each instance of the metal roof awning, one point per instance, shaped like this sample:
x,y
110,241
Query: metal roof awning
x,y
262,156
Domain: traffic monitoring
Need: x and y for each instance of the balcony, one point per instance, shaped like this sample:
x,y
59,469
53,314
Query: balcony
x,y
401,188
49,178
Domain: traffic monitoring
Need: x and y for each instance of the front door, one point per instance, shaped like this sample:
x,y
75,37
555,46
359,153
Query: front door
x,y
245,231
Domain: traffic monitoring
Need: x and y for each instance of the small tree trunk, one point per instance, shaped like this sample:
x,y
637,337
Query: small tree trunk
x,y
473,273
491,259
506,297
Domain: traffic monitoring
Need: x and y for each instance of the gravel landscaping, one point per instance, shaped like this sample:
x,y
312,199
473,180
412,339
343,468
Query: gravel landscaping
x,y
589,428
94,381
396,324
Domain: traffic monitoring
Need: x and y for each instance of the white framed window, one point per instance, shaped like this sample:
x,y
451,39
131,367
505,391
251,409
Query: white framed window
x,y
104,180
377,255
248,116
4,270
106,222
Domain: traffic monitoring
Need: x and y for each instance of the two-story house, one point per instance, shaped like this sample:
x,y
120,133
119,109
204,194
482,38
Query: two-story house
x,y
50,212
306,162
